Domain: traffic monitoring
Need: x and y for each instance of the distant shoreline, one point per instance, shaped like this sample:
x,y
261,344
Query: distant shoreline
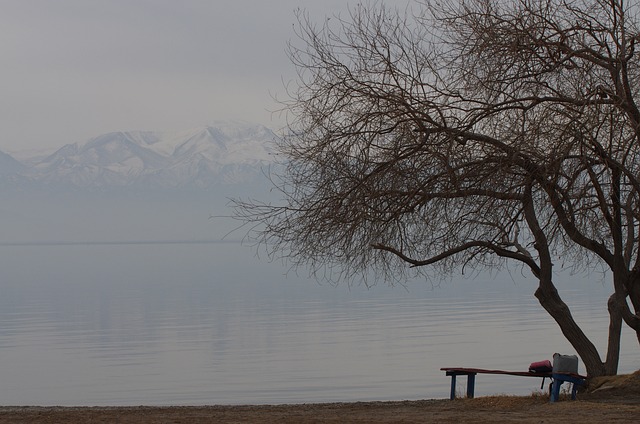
x,y
114,243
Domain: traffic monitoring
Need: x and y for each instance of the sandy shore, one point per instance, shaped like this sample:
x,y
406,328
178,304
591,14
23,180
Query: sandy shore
x,y
608,400
480,410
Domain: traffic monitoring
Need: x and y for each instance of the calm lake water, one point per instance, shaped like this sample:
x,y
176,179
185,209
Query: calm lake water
x,y
184,324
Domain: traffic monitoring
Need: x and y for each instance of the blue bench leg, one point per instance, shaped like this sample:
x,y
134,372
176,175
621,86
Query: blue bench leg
x,y
558,379
471,382
453,387
555,390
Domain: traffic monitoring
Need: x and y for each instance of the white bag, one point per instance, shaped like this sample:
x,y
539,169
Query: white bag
x,y
565,363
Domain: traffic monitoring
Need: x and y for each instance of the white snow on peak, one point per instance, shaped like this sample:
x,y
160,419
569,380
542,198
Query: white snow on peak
x,y
226,151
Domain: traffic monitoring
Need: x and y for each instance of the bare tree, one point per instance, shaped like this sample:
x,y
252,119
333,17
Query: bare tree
x,y
467,135
573,62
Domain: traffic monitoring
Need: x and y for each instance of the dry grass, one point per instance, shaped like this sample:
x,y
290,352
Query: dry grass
x,y
509,402
627,382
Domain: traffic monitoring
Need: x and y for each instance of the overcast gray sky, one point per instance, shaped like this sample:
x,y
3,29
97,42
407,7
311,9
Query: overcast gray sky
x,y
75,69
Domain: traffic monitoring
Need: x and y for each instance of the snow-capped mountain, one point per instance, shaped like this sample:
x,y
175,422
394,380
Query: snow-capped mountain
x,y
230,152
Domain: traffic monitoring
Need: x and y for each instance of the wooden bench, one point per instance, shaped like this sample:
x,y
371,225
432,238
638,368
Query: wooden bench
x,y
558,379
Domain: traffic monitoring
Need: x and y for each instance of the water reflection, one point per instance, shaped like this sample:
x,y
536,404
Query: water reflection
x,y
201,324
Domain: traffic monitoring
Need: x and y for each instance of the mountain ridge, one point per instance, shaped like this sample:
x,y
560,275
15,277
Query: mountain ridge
x,y
226,152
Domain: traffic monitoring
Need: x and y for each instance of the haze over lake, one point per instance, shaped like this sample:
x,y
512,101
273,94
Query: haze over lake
x,y
187,323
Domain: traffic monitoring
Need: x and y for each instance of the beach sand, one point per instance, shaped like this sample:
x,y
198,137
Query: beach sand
x,y
608,401
480,410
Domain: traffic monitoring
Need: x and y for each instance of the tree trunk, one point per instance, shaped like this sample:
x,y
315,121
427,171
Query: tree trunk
x,y
623,283
550,300
634,296
615,330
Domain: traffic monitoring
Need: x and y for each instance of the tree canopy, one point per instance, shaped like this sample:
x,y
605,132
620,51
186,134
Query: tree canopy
x,y
467,134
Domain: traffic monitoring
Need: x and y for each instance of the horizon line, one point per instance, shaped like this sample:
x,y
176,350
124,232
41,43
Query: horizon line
x,y
111,242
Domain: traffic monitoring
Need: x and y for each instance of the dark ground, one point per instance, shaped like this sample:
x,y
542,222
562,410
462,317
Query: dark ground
x,y
608,400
